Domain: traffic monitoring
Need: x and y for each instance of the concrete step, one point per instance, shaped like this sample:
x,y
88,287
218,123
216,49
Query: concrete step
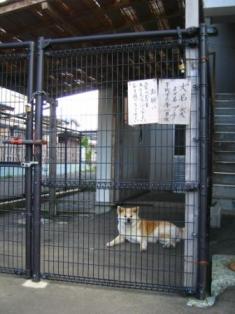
x,y
227,204
224,111
226,118
224,127
224,136
226,146
222,177
225,96
230,103
224,191
224,150
224,166
224,155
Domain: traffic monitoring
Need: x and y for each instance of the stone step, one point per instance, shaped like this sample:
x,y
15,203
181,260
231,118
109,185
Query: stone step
x,y
224,111
224,166
224,191
222,177
226,146
230,103
226,119
225,96
224,136
224,155
224,150
226,127
227,204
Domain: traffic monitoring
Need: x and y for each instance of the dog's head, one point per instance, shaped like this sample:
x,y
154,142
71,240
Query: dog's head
x,y
128,215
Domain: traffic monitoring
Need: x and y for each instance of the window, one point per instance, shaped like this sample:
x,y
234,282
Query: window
x,y
180,140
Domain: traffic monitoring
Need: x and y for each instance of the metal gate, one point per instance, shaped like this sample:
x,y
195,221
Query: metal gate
x,y
16,68
90,167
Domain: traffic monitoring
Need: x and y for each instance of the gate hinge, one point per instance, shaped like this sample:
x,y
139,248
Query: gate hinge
x,y
179,35
28,164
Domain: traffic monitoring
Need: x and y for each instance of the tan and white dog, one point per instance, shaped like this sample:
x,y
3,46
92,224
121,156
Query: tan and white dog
x,y
136,230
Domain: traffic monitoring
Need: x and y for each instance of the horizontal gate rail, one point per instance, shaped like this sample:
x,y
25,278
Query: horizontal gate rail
x,y
23,44
125,185
180,33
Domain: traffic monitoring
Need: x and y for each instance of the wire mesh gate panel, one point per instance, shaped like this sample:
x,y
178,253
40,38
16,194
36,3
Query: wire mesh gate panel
x,y
15,74
95,161
84,195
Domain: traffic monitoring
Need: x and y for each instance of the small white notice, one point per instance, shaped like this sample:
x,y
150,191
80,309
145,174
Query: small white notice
x,y
167,101
174,101
143,102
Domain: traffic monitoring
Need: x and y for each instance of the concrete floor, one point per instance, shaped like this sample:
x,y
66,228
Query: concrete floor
x,y
74,245
61,298
222,240
77,247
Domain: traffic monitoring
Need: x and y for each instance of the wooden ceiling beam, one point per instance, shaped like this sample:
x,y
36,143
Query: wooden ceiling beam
x,y
58,18
19,5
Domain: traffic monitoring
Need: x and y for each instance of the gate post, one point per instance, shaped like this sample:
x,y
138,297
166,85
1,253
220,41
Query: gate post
x,y
52,159
192,156
28,158
203,211
38,166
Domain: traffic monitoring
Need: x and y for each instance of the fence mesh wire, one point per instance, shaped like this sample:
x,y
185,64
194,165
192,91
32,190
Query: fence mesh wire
x,y
94,161
101,162
13,99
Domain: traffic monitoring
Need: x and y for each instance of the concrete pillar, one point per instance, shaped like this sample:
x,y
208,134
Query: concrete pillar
x,y
105,136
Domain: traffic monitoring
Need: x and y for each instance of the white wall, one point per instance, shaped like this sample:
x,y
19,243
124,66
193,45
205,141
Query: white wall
x,y
161,153
134,157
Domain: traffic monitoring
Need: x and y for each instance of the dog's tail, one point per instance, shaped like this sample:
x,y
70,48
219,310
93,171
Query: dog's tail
x,y
180,234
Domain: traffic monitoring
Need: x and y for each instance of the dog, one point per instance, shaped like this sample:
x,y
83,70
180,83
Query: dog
x,y
136,230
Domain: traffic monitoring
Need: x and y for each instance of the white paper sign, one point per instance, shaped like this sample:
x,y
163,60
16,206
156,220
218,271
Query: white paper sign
x,y
143,102
174,101
166,102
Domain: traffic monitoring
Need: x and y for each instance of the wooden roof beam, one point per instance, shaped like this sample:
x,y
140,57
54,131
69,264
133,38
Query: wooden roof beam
x,y
56,16
19,5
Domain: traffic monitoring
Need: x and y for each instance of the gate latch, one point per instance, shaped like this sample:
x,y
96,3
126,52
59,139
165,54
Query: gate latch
x,y
28,164
20,141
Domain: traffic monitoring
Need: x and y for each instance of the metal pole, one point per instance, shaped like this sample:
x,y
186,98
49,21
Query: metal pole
x,y
203,212
38,167
80,159
189,32
65,158
16,44
28,158
52,160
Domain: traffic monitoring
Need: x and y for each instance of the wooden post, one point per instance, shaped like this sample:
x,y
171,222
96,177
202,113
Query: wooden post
x,y
192,161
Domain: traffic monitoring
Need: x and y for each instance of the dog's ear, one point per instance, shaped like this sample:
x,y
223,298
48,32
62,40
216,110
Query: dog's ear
x,y
135,209
119,209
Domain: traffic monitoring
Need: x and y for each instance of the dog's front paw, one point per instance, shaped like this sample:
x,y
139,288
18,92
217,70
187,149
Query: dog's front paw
x,y
143,248
166,245
109,244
